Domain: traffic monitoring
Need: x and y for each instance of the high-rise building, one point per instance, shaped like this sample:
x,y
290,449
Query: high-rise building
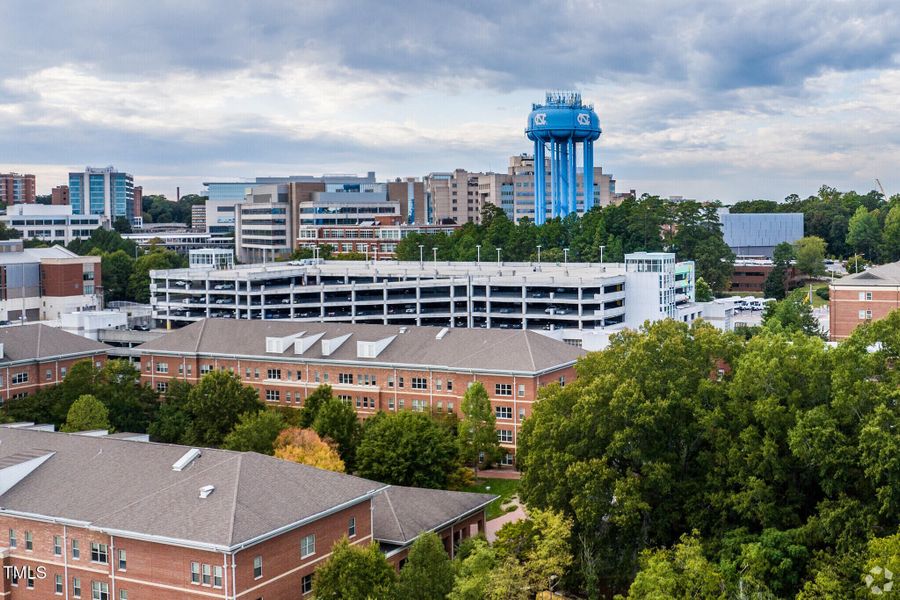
x,y
16,188
104,191
138,203
59,196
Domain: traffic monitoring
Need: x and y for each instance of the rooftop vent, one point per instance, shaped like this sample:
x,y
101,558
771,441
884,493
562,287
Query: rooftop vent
x,y
206,490
440,334
404,329
190,456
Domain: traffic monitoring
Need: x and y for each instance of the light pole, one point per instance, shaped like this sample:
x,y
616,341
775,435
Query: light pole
x,y
601,254
434,251
421,260
565,256
498,255
478,250
539,253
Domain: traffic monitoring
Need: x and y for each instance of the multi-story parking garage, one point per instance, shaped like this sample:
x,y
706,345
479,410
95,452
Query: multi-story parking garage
x,y
648,286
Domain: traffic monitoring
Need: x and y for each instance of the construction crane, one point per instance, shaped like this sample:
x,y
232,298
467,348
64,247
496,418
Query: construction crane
x,y
881,187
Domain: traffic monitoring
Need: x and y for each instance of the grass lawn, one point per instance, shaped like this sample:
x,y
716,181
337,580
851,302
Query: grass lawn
x,y
505,488
817,301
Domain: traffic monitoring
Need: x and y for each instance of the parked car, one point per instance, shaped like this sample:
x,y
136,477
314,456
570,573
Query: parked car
x,y
223,286
410,310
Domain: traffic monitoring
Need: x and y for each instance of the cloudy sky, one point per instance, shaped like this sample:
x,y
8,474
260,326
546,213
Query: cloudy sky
x,y
707,99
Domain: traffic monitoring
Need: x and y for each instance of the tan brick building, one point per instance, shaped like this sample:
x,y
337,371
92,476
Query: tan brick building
x,y
111,519
37,356
372,367
862,297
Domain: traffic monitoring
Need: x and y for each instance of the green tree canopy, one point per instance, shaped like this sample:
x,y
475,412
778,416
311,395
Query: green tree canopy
x,y
427,574
255,432
87,413
810,253
337,421
215,406
356,573
477,429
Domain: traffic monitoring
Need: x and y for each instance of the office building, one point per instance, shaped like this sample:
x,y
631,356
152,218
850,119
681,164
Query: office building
x,y
38,284
105,192
372,367
54,224
380,241
198,217
36,356
537,296
222,196
863,297
181,242
137,220
16,188
750,274
177,522
59,196
757,234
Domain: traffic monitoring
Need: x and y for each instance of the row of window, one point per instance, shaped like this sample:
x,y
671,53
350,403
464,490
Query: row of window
x,y
99,589
99,552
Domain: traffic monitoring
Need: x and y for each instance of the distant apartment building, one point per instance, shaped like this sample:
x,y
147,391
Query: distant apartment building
x,y
757,234
198,217
38,284
50,223
106,192
378,240
59,196
109,517
35,356
863,297
371,367
138,204
16,188
460,195
750,274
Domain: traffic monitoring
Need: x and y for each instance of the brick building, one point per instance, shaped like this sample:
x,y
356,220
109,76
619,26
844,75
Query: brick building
x,y
749,275
863,297
372,367
59,196
113,519
16,188
37,356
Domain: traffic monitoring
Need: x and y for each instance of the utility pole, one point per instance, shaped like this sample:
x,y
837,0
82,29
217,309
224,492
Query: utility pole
x,y
601,254
478,249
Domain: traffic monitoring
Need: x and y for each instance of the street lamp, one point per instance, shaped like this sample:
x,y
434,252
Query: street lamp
x,y
421,260
601,254
478,249
565,256
539,254
498,255
434,251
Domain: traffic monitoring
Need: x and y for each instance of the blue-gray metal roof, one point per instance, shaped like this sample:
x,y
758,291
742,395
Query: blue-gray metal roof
x,y
742,230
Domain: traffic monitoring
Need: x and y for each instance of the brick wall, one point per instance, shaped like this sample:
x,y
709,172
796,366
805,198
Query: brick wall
x,y
846,302
41,374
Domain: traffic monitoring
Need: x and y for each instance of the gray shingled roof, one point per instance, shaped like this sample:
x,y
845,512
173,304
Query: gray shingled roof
x,y
504,350
403,513
93,480
29,342
888,275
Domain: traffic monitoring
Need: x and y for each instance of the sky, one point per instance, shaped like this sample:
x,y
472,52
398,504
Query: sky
x,y
705,99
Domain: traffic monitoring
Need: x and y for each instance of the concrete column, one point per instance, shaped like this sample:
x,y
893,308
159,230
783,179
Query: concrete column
x,y
588,178
573,177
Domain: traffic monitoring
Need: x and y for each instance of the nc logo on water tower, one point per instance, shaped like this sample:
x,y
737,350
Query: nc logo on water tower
x,y
540,119
583,119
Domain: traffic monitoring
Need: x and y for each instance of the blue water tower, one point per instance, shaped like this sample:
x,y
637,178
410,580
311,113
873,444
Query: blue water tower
x,y
563,121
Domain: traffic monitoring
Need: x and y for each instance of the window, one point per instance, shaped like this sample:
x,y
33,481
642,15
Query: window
x,y
438,384
505,436
162,386
19,378
449,407
390,404
306,584
123,595
217,577
29,579
399,382
316,376
99,590
864,296
247,373
325,376
308,545
76,550
12,538
419,383
99,553
521,414
76,587
257,567
287,397
49,375
390,381
57,545
63,371
15,577
419,405
59,584
29,541
204,369
449,385
507,460
123,563
521,390
351,527
562,381
503,412
256,373
195,573
273,395
503,389
162,367
207,575
865,314
345,377
273,374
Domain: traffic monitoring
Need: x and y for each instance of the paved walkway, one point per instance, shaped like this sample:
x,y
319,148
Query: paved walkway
x,y
493,526
499,474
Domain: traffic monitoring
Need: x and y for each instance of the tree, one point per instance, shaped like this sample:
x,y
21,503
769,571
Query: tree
x,y
406,448
336,420
312,404
682,573
477,430
702,291
87,413
139,281
541,544
132,405
810,253
428,573
473,572
890,237
172,420
304,446
793,313
117,267
355,573
255,432
776,282
864,232
214,407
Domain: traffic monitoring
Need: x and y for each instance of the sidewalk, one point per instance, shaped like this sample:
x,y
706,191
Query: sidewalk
x,y
499,474
493,526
